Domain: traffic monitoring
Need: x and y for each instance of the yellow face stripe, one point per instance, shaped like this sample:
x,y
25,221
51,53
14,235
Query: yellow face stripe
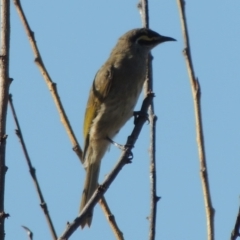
x,y
147,38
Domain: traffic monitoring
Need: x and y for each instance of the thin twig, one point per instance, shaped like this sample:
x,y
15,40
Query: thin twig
x,y
196,92
111,219
148,86
32,171
143,10
125,158
52,87
4,89
236,231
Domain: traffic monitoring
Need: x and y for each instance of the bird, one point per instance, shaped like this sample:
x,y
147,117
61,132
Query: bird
x,y
112,98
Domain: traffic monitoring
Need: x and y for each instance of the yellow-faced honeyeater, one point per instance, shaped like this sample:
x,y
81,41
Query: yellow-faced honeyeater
x,y
112,98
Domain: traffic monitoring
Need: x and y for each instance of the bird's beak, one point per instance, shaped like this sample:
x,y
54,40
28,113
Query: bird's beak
x,y
162,39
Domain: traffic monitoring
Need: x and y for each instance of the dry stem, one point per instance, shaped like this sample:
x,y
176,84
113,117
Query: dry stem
x,y
148,86
195,86
51,85
111,219
4,89
32,171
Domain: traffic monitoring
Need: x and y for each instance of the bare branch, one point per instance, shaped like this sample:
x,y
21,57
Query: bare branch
x,y
196,92
4,89
148,86
143,10
125,158
32,171
111,219
51,85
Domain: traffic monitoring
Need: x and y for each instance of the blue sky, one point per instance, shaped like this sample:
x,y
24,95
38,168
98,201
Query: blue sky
x,y
75,39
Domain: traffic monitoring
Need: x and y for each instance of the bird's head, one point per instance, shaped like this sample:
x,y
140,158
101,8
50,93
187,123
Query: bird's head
x,y
143,38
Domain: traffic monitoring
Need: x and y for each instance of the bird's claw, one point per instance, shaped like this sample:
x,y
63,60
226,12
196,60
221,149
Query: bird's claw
x,y
123,148
129,156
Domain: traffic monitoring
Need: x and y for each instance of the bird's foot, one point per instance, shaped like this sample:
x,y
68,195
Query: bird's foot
x,y
123,147
126,147
139,114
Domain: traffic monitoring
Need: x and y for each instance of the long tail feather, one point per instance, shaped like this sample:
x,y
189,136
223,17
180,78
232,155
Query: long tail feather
x,y
90,185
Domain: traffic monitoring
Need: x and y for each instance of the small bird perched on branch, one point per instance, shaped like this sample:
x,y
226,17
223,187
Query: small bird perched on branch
x,y
113,96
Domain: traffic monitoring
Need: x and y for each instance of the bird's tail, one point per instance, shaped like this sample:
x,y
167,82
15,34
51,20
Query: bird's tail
x,y
90,185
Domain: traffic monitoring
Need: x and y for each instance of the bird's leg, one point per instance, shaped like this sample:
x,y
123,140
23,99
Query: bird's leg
x,y
122,147
139,114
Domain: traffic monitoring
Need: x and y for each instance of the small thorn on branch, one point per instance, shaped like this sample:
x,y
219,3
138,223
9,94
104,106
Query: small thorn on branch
x,y
4,215
17,132
157,198
139,5
75,148
4,138
37,60
10,80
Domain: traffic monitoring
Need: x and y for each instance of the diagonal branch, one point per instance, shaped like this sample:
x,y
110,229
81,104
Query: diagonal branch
x,y
53,89
111,219
148,86
32,171
196,92
125,158
51,85
236,231
4,89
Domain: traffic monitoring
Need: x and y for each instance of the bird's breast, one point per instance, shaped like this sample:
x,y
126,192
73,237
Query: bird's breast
x,y
127,78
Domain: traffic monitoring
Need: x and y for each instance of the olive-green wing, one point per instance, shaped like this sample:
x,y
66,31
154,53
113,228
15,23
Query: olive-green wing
x,y
98,93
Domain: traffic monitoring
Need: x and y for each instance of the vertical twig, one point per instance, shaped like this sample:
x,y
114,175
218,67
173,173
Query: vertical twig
x,y
148,86
32,171
4,89
53,89
196,92
143,9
